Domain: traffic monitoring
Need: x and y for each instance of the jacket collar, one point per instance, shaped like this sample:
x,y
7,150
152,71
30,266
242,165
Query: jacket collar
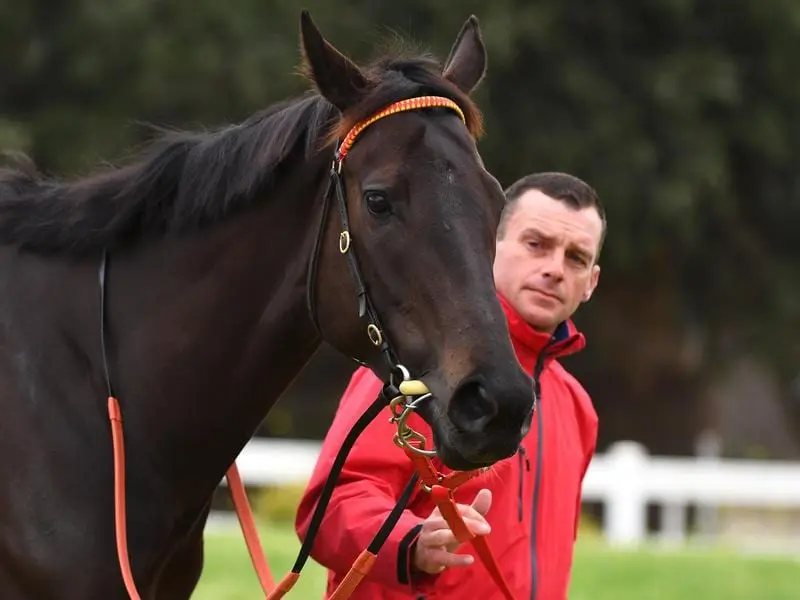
x,y
530,344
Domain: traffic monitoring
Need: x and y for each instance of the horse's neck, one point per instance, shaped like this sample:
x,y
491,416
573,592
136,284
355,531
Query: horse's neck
x,y
206,333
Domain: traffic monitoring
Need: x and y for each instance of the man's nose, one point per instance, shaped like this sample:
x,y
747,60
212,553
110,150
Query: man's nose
x,y
555,264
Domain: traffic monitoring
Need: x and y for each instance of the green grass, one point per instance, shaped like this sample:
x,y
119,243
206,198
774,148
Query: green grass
x,y
599,572
229,575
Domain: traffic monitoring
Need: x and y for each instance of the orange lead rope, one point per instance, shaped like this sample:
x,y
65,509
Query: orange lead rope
x,y
115,416
248,525
243,512
441,489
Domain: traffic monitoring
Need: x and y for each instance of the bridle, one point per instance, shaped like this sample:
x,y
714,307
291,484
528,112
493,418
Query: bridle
x,y
400,392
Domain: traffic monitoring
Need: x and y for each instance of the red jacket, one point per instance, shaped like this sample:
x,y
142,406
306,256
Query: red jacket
x,y
543,479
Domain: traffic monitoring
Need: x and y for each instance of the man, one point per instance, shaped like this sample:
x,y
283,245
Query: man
x,y
548,244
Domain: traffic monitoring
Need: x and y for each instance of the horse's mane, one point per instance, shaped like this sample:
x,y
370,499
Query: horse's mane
x,y
183,180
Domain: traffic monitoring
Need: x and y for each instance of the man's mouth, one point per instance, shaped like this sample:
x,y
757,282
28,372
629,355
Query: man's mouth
x,y
546,294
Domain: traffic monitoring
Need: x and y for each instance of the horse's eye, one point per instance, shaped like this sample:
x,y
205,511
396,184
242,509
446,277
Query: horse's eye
x,y
377,203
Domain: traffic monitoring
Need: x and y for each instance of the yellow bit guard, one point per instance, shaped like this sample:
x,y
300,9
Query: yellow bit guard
x,y
413,387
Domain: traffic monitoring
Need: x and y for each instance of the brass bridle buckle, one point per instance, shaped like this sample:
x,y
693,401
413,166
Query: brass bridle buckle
x,y
412,393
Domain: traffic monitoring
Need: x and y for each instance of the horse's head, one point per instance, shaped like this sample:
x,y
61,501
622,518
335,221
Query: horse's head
x,y
423,213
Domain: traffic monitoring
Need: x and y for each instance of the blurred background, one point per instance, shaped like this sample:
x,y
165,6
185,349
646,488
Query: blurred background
x,y
683,114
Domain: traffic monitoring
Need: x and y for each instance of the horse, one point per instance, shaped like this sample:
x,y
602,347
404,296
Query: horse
x,y
194,282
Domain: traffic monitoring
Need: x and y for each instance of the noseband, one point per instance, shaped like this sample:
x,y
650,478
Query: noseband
x,y
401,393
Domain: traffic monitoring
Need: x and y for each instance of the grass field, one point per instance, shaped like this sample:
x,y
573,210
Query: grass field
x,y
599,573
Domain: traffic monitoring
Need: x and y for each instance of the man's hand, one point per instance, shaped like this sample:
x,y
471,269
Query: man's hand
x,y
436,544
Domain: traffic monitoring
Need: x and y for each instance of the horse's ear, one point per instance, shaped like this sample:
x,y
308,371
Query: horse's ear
x,y
466,64
337,78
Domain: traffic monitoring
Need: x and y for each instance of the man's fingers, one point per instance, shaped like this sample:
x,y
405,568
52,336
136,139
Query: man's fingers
x,y
475,522
439,559
434,524
444,538
469,511
483,501
480,506
437,543
440,537
469,514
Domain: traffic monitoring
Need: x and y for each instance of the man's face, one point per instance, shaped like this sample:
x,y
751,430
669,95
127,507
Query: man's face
x,y
545,264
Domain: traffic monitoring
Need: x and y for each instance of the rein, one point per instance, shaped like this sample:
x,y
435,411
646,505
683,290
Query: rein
x,y
401,393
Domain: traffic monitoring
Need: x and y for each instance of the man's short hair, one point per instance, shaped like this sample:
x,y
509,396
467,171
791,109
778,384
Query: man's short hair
x,y
570,190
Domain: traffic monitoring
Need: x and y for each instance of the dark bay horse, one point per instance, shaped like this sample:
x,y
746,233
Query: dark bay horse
x,y
214,247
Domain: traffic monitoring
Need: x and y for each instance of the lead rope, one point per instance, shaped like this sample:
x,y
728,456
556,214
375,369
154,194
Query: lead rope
x,y
235,485
242,506
245,515
237,491
441,490
115,417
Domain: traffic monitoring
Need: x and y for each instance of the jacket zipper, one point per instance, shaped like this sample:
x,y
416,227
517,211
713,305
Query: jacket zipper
x,y
538,477
523,459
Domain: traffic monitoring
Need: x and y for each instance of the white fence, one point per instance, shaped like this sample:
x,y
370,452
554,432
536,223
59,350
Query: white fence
x,y
625,480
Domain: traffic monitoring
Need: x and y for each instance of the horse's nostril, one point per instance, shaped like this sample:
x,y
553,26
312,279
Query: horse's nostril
x,y
471,409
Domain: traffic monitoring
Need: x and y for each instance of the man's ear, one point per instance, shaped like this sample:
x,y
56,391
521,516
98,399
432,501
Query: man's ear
x,y
593,281
466,64
337,78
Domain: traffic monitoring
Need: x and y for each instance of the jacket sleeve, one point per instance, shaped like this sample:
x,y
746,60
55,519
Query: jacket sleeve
x,y
371,481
